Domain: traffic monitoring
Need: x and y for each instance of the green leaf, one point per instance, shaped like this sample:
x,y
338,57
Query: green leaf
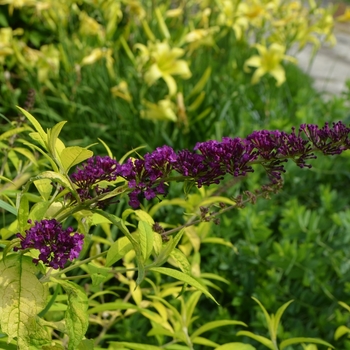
x,y
15,131
341,330
143,216
344,305
236,346
146,239
168,248
133,346
25,152
109,152
190,306
201,82
278,316
52,137
57,177
184,278
71,156
181,261
215,324
44,187
117,305
205,342
36,125
8,207
267,342
38,211
98,274
267,316
300,340
23,213
76,316
118,250
86,344
217,199
22,297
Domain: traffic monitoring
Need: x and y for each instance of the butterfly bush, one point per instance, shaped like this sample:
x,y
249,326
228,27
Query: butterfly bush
x,y
208,163
55,244
211,160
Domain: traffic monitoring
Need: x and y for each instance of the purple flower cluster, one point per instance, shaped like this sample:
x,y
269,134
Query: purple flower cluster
x,y
55,244
212,160
93,171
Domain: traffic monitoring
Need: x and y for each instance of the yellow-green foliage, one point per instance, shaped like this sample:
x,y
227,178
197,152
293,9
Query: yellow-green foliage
x,y
160,38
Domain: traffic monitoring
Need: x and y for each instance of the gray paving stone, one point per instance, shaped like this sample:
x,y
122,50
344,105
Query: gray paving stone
x,y
331,66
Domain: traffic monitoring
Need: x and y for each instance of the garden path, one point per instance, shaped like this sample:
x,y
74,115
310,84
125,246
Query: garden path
x,y
331,66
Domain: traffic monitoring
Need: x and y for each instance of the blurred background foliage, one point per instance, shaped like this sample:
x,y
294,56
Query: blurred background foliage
x,y
178,72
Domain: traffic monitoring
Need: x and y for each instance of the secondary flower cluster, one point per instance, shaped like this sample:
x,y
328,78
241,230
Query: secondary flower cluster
x,y
92,172
212,160
55,244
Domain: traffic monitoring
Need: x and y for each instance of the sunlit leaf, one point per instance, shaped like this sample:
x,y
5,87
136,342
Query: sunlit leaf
x,y
22,297
341,330
76,315
235,346
146,239
184,278
267,342
71,156
215,324
117,250
300,340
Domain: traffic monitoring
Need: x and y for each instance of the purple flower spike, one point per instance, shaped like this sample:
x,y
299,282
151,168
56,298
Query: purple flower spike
x,y
55,244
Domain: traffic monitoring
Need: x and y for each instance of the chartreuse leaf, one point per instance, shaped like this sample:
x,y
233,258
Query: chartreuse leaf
x,y
146,239
133,346
277,318
300,340
23,213
235,346
71,156
52,137
117,305
189,307
217,199
44,187
76,315
267,342
269,321
22,297
117,250
344,305
184,278
57,177
181,261
341,330
215,324
36,125
12,132
143,216
136,245
86,344
205,342
166,250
